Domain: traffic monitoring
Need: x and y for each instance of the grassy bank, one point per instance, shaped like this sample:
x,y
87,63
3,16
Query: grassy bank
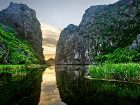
x,y
10,68
122,72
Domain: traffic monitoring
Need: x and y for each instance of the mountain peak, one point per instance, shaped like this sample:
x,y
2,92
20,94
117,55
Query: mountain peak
x,y
16,8
24,21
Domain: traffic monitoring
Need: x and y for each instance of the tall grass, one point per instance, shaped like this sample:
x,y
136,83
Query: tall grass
x,y
122,71
20,68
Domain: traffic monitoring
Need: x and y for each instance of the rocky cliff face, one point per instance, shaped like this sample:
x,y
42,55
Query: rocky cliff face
x,y
102,29
15,50
70,48
24,21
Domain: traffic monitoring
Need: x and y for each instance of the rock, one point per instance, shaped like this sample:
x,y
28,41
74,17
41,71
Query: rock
x,y
24,21
103,29
134,45
14,50
138,39
4,52
70,47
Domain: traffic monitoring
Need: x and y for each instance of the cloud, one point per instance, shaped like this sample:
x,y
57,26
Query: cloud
x,y
49,50
48,30
50,36
49,42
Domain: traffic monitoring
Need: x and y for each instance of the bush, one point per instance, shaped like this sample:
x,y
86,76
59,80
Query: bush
x,y
14,50
120,55
124,72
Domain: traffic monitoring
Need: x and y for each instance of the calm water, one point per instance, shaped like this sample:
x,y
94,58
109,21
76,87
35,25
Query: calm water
x,y
63,85
49,91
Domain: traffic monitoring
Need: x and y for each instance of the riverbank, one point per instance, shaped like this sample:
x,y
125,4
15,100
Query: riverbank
x,y
129,72
22,67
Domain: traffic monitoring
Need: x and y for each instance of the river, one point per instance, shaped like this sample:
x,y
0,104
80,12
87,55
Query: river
x,y
49,91
63,85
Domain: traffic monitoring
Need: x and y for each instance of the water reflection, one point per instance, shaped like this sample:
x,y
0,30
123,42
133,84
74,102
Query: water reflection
x,y
6,77
63,84
70,83
75,89
20,87
49,91
29,87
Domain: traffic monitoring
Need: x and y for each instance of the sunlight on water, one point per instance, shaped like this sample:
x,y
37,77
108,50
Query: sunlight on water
x,y
49,91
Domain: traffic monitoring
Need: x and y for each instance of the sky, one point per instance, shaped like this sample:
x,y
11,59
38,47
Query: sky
x,y
54,15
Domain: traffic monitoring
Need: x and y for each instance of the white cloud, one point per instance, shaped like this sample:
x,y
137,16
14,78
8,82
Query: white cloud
x,y
49,29
50,35
49,50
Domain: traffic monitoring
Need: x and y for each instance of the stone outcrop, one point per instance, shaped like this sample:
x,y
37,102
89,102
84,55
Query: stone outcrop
x,y
103,29
4,52
70,47
14,50
135,44
24,21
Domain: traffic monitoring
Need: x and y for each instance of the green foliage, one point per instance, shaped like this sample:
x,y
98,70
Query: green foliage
x,y
121,89
18,68
120,55
122,71
14,50
113,26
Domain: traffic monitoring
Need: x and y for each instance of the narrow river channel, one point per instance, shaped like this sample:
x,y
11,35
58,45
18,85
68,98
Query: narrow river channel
x,y
49,91
63,85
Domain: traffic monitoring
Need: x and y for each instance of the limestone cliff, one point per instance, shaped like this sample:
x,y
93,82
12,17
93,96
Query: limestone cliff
x,y
23,19
103,29
15,50
70,48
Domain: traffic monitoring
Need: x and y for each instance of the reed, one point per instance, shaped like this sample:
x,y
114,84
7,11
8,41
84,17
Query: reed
x,y
122,71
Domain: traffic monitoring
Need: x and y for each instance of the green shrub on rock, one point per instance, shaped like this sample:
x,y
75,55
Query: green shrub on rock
x,y
14,50
120,55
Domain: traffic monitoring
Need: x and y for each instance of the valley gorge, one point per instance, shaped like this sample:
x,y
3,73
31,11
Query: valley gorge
x,y
94,63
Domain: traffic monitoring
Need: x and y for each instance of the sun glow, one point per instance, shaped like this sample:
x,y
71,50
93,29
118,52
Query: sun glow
x,y
50,36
